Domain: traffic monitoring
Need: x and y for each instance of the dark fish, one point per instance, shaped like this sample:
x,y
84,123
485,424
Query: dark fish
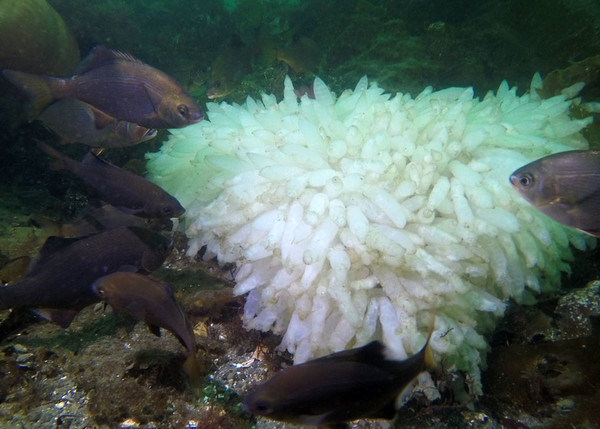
x,y
343,386
94,219
35,39
152,301
58,283
586,71
228,69
564,186
118,85
196,79
121,188
302,55
209,303
75,121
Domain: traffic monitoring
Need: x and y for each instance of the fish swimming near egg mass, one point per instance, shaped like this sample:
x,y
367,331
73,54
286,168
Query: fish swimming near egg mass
x,y
229,68
118,187
75,121
152,301
565,186
58,282
96,218
302,54
344,386
118,85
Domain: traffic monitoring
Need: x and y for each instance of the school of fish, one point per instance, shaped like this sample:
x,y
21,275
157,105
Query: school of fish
x,y
114,100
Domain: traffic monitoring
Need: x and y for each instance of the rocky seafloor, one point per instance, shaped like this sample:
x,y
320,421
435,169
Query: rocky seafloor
x,y
109,371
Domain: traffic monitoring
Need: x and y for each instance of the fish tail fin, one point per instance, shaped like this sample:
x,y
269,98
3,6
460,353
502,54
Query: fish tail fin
x,y
428,356
62,317
190,367
58,159
49,226
38,88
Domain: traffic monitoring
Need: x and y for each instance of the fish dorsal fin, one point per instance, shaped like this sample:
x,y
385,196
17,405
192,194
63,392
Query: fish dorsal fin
x,y
369,353
51,246
101,56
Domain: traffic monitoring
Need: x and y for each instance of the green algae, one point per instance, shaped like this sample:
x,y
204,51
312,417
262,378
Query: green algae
x,y
74,340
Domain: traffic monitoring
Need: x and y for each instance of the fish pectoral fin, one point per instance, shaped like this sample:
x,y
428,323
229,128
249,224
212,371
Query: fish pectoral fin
x,y
314,419
130,211
155,97
60,316
155,329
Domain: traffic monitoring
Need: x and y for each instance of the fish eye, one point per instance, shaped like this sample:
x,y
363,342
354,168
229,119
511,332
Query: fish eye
x,y
526,180
100,291
183,110
166,210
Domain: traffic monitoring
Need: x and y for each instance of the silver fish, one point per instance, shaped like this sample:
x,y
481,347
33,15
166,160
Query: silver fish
x,y
565,186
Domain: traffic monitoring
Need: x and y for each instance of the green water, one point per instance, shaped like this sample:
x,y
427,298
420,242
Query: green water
x,y
403,45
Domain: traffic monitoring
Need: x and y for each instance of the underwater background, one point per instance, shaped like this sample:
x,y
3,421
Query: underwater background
x,y
109,371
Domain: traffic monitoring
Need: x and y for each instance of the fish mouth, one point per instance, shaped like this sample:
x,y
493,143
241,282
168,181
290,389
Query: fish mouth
x,y
514,180
196,117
